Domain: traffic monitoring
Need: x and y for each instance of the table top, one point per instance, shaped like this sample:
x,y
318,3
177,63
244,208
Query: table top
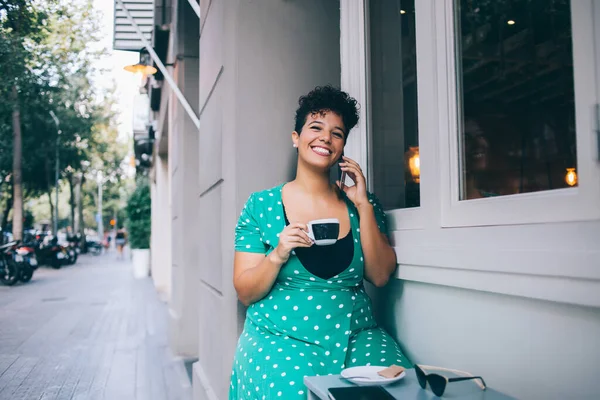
x,y
408,388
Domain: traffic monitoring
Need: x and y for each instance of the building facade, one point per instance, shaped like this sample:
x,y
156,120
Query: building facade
x,y
478,131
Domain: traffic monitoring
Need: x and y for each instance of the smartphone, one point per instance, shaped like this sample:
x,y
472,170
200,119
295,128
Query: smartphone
x,y
360,393
341,174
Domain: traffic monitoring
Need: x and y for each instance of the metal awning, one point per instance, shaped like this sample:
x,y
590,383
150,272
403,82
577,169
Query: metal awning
x,y
125,36
133,11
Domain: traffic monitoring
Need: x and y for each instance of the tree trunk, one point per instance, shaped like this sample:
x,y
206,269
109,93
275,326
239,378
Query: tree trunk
x,y
80,225
1,197
49,192
17,226
7,208
72,201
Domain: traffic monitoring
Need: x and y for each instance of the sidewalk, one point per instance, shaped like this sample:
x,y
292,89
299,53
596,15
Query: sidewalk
x,y
84,332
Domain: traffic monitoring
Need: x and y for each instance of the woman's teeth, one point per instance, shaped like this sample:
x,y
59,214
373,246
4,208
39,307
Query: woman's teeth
x,y
321,151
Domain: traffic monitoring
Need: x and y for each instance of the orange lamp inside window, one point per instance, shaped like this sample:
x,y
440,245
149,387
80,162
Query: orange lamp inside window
x,y
413,163
571,177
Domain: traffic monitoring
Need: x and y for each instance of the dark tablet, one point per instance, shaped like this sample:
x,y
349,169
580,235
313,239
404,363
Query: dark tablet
x,y
360,393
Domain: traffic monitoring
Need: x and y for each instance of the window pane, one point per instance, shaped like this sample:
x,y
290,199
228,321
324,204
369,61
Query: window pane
x,y
516,88
395,139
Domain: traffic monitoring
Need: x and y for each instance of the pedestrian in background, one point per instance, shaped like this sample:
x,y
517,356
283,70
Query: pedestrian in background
x,y
120,241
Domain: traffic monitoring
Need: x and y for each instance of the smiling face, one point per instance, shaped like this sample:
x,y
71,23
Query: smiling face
x,y
322,140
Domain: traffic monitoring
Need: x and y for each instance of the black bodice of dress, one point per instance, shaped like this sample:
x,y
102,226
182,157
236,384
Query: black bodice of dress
x,y
326,261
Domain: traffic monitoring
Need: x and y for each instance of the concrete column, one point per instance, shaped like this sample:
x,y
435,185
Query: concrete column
x,y
183,154
256,59
161,229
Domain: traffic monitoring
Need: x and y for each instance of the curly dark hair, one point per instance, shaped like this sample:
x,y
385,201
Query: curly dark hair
x,y
327,98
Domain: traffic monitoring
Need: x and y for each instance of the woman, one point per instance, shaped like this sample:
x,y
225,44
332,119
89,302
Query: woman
x,y
308,312
120,241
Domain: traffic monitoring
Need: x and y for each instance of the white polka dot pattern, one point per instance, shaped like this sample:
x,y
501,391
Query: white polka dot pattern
x,y
305,325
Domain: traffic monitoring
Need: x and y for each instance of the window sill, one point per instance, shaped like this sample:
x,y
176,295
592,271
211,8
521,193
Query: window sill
x,y
583,292
555,262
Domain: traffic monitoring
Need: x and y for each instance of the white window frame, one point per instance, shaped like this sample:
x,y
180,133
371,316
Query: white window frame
x,y
573,204
355,79
353,76
596,17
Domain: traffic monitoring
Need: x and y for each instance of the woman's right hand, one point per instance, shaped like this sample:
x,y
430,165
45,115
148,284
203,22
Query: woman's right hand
x,y
292,236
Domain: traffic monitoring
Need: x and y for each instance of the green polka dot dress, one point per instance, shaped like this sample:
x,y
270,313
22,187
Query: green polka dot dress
x,y
305,325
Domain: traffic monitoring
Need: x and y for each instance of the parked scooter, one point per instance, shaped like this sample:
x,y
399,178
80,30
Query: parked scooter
x,y
16,264
71,254
73,249
9,268
52,254
25,255
27,251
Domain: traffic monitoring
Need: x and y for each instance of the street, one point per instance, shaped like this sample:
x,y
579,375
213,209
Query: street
x,y
88,331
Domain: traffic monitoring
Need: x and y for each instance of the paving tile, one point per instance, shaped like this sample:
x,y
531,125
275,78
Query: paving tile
x,y
86,332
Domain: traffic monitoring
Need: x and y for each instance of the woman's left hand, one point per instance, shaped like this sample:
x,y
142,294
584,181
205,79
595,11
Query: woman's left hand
x,y
357,193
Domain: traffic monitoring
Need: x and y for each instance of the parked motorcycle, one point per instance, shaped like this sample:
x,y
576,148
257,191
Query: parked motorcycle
x,y
52,254
27,251
72,247
13,264
9,268
71,254
26,256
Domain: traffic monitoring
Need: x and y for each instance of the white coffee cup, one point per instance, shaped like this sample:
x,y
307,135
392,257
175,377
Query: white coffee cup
x,y
324,232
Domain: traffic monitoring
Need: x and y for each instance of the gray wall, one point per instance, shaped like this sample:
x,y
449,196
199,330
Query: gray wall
x,y
256,59
531,349
161,228
287,51
183,160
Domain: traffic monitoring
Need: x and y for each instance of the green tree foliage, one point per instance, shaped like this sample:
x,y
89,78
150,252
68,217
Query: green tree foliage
x,y
47,51
138,215
21,26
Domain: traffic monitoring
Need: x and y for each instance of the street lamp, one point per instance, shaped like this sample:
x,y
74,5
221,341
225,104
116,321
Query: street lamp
x,y
56,174
143,67
99,216
140,69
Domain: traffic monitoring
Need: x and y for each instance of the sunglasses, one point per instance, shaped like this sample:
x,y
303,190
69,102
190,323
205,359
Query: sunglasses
x,y
438,383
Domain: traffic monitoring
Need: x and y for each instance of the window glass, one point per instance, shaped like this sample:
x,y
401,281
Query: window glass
x,y
516,96
393,80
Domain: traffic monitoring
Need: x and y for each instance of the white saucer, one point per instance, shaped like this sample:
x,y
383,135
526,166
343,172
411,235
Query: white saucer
x,y
367,376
